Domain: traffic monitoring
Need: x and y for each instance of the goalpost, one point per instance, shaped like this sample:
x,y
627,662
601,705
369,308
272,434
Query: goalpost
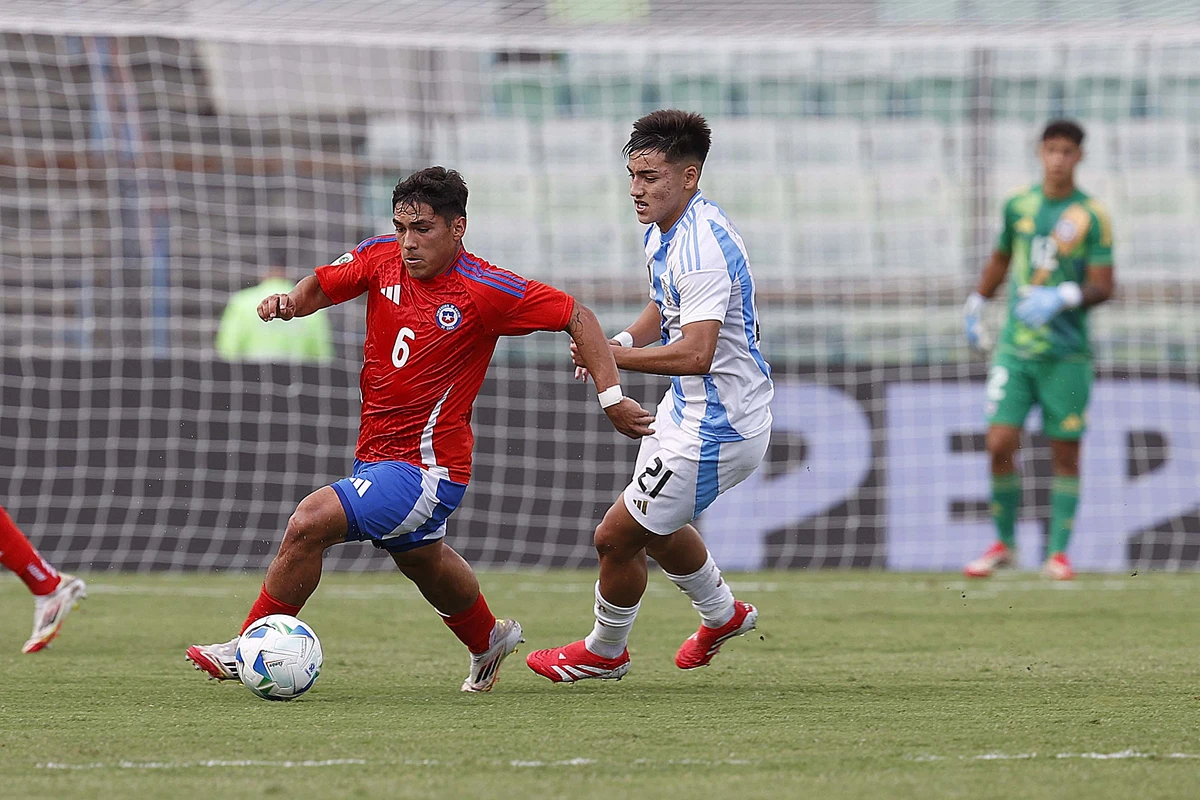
x,y
155,159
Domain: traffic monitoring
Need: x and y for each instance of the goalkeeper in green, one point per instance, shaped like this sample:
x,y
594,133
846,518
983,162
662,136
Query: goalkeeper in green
x,y
1056,249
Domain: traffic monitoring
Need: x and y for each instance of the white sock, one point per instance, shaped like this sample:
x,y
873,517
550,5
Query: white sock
x,y
611,631
710,595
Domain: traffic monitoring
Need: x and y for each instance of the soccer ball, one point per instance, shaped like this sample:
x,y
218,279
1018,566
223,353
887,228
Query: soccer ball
x,y
279,657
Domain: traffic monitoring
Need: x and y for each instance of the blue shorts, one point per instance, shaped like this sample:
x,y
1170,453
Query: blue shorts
x,y
395,505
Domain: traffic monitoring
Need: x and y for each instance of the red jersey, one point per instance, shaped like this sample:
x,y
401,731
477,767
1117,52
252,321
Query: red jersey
x,y
428,346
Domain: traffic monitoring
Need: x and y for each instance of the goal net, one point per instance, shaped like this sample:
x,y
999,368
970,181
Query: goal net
x,y
157,158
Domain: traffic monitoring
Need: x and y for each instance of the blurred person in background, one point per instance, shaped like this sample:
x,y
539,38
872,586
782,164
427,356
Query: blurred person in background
x,y
54,593
242,336
1056,250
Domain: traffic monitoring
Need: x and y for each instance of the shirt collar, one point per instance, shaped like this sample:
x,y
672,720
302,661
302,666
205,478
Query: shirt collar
x,y
697,197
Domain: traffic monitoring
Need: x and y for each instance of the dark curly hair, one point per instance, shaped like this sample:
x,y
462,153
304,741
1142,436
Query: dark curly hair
x,y
443,190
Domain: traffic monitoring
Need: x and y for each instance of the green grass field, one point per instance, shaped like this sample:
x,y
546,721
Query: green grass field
x,y
862,685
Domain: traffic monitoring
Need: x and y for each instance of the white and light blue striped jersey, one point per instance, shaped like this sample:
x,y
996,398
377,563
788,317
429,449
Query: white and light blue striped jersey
x,y
699,270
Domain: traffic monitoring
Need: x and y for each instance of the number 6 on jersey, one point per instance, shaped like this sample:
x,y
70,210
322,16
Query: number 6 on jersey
x,y
400,351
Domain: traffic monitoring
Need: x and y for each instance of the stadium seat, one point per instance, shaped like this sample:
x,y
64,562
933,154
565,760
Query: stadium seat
x,y
1157,249
1157,144
509,192
834,191
742,144
1025,85
510,242
743,194
819,143
917,144
912,192
1158,193
917,248
594,143
583,249
586,194
395,141
834,249
483,142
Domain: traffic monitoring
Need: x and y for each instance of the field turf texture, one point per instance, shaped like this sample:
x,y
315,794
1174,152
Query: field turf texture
x,y
861,685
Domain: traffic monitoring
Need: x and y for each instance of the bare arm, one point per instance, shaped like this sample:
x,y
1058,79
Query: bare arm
x,y
306,298
994,274
1099,285
690,355
592,349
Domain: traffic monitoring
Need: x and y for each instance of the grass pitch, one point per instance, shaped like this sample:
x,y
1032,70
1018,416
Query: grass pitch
x,y
862,685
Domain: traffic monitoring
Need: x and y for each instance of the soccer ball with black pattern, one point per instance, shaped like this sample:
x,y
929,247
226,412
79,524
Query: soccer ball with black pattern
x,y
279,657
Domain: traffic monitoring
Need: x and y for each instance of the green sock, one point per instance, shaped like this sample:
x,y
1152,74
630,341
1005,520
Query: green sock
x,y
1064,497
1006,500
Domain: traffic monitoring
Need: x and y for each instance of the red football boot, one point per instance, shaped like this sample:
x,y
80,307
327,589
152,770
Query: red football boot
x,y
699,648
574,662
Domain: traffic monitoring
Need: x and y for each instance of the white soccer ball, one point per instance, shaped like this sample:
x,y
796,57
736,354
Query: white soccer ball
x,y
279,657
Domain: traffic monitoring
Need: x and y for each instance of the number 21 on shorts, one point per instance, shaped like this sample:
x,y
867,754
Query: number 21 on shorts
x,y
653,470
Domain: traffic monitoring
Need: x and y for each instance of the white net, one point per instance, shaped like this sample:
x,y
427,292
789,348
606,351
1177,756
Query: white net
x,y
157,157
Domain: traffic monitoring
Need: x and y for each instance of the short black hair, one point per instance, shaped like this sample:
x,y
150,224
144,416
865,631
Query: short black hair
x,y
443,190
1064,129
678,135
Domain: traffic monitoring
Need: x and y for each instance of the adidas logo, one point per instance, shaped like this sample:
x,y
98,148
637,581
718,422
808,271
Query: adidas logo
x,y
642,505
360,485
391,293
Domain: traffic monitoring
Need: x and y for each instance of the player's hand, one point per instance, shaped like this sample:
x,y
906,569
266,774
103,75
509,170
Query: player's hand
x,y
279,306
581,372
630,418
1040,304
979,338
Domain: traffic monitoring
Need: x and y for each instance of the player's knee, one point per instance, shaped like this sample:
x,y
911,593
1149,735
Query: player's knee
x,y
306,530
1002,443
1064,462
420,560
613,541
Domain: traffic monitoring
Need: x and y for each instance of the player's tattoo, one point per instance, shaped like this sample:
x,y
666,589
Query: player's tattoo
x,y
575,325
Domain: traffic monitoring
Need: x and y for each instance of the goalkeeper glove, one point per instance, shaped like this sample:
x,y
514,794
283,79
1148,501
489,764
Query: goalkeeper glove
x,y
978,336
1042,303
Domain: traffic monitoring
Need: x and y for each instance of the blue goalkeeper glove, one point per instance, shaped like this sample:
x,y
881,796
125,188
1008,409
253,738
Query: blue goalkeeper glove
x,y
1042,303
978,337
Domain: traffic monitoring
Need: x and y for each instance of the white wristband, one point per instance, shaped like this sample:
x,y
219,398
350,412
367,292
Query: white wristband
x,y
624,338
1071,294
610,396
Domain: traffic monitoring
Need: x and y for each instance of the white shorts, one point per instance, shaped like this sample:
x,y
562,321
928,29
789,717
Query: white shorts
x,y
679,475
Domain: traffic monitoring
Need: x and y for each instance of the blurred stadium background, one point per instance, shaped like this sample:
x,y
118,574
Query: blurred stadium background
x,y
155,156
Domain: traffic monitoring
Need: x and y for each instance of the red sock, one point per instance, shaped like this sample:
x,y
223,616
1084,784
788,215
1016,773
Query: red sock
x,y
473,627
265,606
18,554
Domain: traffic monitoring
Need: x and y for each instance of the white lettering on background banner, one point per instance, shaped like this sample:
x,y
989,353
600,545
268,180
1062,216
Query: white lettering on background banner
x,y
921,477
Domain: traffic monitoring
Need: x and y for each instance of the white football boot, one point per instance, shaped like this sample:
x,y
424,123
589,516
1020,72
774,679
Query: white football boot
x,y
998,556
50,611
218,660
485,667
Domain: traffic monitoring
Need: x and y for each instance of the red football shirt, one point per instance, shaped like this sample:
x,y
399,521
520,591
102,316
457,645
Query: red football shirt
x,y
428,346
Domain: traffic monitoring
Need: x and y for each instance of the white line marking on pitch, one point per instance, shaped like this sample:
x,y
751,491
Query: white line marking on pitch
x,y
1123,754
337,762
975,589
329,762
569,762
